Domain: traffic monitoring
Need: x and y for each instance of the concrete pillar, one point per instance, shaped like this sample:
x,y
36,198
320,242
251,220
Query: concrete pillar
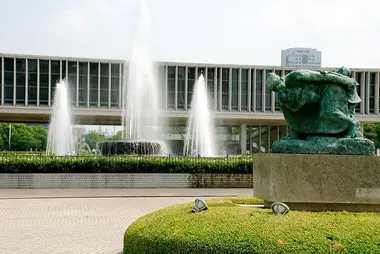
x,y
243,138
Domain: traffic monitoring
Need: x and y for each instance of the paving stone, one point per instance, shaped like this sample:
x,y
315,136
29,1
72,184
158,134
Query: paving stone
x,y
72,225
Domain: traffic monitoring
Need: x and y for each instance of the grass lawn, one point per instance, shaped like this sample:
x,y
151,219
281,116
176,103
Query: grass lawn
x,y
229,228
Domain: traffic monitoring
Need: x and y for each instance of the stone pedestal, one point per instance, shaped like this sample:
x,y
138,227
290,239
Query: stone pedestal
x,y
318,182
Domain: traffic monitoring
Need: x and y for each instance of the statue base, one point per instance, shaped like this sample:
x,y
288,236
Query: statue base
x,y
325,145
318,182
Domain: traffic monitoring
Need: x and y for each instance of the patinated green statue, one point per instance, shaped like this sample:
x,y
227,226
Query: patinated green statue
x,y
320,110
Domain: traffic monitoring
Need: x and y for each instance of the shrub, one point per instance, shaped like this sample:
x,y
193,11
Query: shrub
x,y
228,228
121,164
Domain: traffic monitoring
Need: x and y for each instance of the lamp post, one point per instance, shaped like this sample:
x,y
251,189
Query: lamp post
x,y
9,136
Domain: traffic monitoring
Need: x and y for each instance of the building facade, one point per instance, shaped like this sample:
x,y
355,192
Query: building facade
x,y
301,58
246,112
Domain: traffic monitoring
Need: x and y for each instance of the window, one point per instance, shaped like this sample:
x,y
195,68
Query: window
x,y
181,88
259,84
235,89
32,81
20,80
372,77
210,86
277,103
55,77
83,80
8,80
358,78
44,82
225,87
115,79
190,85
244,89
72,82
94,81
104,80
171,87
268,94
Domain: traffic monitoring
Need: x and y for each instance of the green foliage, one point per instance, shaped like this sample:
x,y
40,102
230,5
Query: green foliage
x,y
372,132
229,228
41,163
23,137
117,136
93,137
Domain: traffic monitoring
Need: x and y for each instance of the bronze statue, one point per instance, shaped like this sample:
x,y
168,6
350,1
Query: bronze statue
x,y
320,110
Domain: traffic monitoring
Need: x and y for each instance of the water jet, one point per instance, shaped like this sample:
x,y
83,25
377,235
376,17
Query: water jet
x,y
200,137
60,137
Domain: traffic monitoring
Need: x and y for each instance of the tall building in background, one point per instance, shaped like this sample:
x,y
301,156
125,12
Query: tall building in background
x,y
301,57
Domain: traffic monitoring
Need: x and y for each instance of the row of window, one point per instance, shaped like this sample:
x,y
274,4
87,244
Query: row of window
x,y
32,79
36,79
222,86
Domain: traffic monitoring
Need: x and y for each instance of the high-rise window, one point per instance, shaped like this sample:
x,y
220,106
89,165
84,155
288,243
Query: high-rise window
x,y
115,79
72,82
8,80
244,89
32,81
83,84
235,89
181,88
44,82
94,81
277,103
190,85
225,87
104,78
20,80
55,76
268,94
259,90
372,77
63,69
210,86
358,77
171,87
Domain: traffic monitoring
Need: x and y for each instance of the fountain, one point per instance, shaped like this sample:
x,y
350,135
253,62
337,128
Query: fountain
x,y
60,138
200,139
140,109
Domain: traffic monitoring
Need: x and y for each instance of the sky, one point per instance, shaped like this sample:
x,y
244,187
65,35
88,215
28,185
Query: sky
x,y
204,31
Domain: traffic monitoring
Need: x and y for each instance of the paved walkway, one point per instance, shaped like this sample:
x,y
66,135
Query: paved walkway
x,y
88,193
31,221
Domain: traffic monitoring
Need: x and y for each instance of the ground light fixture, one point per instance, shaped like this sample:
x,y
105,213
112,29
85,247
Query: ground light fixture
x,y
280,208
199,206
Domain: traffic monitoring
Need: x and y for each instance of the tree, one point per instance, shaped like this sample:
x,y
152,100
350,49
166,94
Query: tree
x,y
40,134
23,137
372,132
117,136
93,137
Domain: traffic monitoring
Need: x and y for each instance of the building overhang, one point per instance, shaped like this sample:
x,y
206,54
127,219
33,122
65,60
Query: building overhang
x,y
106,116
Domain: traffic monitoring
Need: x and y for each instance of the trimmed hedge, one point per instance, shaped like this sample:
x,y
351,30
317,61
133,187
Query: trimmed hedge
x,y
124,164
228,228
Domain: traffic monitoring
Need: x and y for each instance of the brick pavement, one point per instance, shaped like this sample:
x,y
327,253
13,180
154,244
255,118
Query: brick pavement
x,y
72,225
